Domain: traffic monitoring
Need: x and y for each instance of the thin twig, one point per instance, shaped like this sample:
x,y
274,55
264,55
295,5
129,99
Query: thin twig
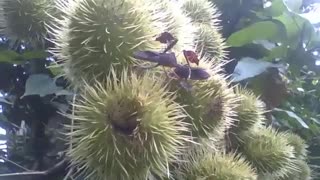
x,y
16,164
69,174
314,158
61,166
22,175
72,120
71,130
314,166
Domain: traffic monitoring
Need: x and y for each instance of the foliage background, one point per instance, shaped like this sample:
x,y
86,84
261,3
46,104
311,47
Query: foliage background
x,y
275,52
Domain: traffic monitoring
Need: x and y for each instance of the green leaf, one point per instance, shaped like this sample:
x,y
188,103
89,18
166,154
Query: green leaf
x,y
276,9
280,6
315,120
315,82
297,27
266,30
9,56
277,52
293,5
248,68
293,116
16,58
38,54
314,41
42,85
55,69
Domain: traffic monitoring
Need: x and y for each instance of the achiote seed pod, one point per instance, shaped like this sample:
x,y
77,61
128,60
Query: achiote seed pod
x,y
205,163
97,34
210,103
204,16
303,172
210,42
200,11
177,23
299,144
126,128
250,110
268,151
26,19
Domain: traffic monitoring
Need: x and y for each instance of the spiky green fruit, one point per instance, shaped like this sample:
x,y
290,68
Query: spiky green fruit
x,y
268,151
303,172
210,103
299,144
204,163
126,128
177,23
204,16
210,42
97,34
26,19
200,11
250,111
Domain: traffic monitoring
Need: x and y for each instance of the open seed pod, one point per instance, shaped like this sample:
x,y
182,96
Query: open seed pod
x,y
126,128
95,34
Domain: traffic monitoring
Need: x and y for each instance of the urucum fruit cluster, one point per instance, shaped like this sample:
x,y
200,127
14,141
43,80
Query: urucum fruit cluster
x,y
152,100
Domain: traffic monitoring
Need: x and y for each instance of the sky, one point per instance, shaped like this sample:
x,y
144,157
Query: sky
x,y
313,16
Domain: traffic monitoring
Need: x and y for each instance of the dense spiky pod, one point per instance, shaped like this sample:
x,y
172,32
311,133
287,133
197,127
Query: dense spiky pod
x,y
250,111
210,42
125,128
200,11
299,144
26,19
204,163
303,172
210,103
268,151
97,34
204,16
177,23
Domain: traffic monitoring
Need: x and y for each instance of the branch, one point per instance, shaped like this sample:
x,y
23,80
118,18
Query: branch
x,y
23,176
16,164
37,175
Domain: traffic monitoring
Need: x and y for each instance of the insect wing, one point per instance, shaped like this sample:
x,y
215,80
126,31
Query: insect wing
x,y
168,59
199,74
182,71
165,37
191,56
147,56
